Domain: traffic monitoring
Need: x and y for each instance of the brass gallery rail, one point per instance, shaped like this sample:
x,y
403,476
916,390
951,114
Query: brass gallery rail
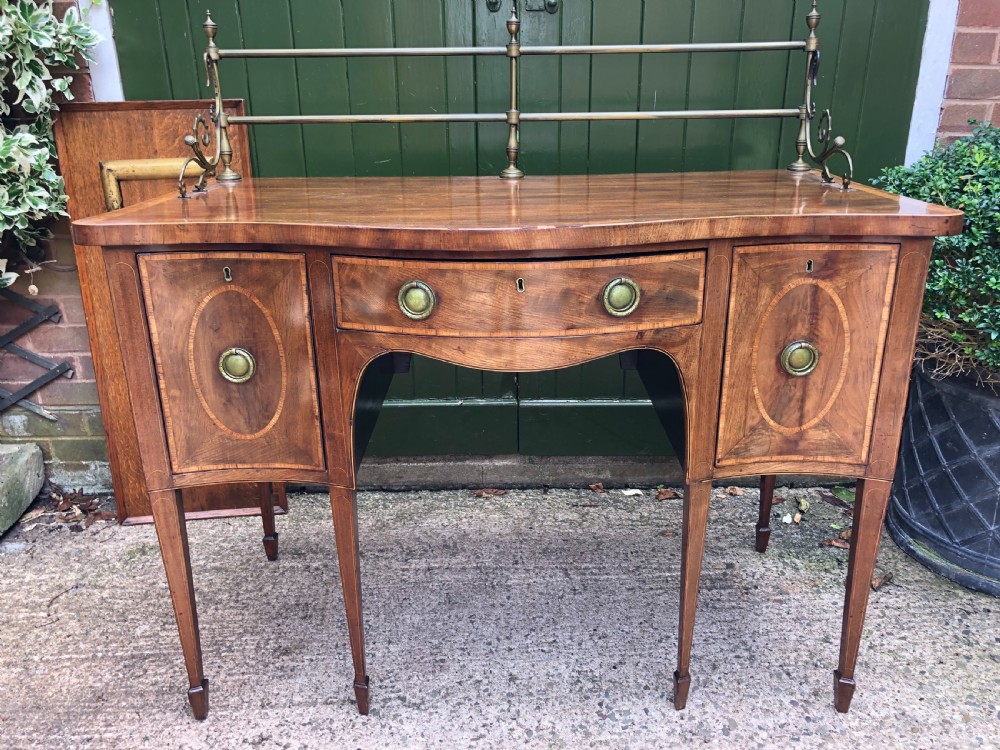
x,y
219,164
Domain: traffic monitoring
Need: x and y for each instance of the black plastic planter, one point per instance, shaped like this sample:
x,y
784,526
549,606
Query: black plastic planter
x,y
945,506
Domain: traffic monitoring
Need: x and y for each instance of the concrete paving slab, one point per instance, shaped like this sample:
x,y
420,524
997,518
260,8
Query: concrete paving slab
x,y
529,620
21,476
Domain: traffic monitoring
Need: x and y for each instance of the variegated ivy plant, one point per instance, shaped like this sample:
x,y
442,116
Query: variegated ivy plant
x,y
34,45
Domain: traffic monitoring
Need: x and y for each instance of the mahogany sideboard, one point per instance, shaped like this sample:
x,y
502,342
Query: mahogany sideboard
x,y
244,317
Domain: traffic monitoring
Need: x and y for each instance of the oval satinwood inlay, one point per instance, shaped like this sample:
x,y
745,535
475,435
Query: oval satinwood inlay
x,y
232,316
808,309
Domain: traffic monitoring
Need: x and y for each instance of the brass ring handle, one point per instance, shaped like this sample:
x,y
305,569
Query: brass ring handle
x,y
237,365
621,296
416,300
799,358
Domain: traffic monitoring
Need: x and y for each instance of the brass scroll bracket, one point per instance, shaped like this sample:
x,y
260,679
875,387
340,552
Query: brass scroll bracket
x,y
807,114
219,165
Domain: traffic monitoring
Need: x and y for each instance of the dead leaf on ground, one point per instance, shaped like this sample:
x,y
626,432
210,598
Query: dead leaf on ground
x,y
835,542
665,493
489,492
845,534
736,491
597,487
668,532
880,581
31,515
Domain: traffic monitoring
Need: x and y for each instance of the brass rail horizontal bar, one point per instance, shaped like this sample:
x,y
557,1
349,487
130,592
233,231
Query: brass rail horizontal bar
x,y
591,49
327,119
364,52
617,49
693,114
679,114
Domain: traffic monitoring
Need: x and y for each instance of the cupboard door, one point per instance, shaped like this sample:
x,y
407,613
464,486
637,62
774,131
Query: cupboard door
x,y
806,332
234,359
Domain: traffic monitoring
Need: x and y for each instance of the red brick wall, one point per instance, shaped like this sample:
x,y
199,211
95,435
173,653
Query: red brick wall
x,y
973,90
74,445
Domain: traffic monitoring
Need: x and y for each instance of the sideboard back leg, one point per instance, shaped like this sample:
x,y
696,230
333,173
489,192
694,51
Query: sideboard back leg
x,y
696,499
171,531
267,500
345,528
764,516
871,499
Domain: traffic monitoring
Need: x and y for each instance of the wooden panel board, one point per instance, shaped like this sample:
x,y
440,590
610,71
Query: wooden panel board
x,y
196,313
520,299
834,297
86,134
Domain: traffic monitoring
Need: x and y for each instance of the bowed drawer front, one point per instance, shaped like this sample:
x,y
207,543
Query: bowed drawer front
x,y
520,298
806,332
233,350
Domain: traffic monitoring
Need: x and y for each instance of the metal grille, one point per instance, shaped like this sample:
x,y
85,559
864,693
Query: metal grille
x,y
53,370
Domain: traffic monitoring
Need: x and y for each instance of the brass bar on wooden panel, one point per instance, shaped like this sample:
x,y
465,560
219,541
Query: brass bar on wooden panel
x,y
348,119
113,173
584,49
618,49
363,52
678,114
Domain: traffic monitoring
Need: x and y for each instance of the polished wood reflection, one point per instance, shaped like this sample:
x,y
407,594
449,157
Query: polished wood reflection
x,y
732,268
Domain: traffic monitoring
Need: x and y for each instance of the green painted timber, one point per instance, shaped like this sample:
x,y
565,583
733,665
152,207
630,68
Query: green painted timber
x,y
870,60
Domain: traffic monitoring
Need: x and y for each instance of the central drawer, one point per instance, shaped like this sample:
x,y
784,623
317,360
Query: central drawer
x,y
550,298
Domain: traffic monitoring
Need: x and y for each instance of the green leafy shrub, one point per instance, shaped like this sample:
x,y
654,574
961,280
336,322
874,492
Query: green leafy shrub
x,y
961,325
33,43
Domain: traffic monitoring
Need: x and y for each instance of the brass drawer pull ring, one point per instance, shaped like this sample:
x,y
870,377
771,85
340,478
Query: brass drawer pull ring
x,y
237,365
416,299
621,296
799,358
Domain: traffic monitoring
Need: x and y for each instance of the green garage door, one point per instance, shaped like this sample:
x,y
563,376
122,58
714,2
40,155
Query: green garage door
x,y
871,55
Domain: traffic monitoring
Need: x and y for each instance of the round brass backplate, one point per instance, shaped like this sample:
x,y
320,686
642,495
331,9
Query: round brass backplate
x,y
621,296
416,300
237,365
799,358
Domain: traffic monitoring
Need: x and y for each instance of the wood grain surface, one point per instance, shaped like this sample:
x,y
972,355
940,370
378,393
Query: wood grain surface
x,y
195,313
488,218
86,134
520,299
836,297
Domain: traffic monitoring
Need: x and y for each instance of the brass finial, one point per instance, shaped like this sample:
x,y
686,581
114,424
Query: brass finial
x,y
514,22
813,18
210,27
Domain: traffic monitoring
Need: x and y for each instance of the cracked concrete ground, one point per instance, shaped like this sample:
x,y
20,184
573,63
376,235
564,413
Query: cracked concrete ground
x,y
529,620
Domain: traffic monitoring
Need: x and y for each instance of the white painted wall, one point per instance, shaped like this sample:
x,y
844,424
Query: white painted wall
x,y
934,61
104,71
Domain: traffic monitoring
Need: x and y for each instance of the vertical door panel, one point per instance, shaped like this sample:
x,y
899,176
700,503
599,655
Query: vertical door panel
x,y
829,302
